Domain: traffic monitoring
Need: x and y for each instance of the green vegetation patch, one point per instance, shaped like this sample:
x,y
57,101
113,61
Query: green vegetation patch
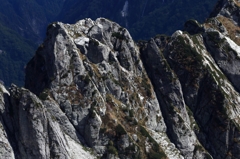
x,y
112,150
187,50
92,112
118,35
156,155
95,42
198,148
44,94
215,37
120,130
87,79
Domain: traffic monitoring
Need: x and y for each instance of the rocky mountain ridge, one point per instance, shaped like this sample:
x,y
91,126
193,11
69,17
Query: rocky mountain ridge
x,y
23,23
92,92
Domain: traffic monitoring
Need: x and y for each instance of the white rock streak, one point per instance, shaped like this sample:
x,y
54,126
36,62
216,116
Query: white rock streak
x,y
169,148
76,151
233,45
82,40
124,12
4,89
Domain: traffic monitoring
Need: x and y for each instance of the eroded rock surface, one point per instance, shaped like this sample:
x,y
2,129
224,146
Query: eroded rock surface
x,y
92,92
95,75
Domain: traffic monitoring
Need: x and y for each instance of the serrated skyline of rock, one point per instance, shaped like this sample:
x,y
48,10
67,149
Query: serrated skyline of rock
x,y
92,92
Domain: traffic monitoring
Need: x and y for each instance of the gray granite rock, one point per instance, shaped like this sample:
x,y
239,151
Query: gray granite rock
x,y
91,91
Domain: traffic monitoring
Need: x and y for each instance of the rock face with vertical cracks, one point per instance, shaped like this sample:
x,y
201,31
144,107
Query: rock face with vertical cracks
x,y
92,92
92,76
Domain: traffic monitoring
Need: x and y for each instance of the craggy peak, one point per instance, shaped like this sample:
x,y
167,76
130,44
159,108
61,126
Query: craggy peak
x,y
91,92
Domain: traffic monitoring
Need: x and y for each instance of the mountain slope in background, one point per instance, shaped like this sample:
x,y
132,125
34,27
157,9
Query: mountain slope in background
x,y
92,92
22,28
27,20
143,18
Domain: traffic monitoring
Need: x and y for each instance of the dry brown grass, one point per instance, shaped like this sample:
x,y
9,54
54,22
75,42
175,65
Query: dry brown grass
x,y
82,56
209,25
232,29
116,115
237,3
96,71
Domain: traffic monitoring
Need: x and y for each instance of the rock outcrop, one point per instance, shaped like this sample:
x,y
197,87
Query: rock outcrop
x,y
93,72
92,92
29,130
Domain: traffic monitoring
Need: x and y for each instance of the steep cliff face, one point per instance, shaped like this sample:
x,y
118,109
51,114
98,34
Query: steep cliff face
x,y
92,92
33,132
204,62
92,70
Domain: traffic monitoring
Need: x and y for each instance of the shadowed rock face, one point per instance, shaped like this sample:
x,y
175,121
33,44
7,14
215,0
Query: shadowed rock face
x,y
91,91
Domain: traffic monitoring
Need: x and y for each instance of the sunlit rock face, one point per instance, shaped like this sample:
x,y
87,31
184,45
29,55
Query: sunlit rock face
x,y
92,92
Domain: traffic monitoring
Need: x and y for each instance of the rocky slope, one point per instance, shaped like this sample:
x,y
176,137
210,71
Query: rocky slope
x,y
92,92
